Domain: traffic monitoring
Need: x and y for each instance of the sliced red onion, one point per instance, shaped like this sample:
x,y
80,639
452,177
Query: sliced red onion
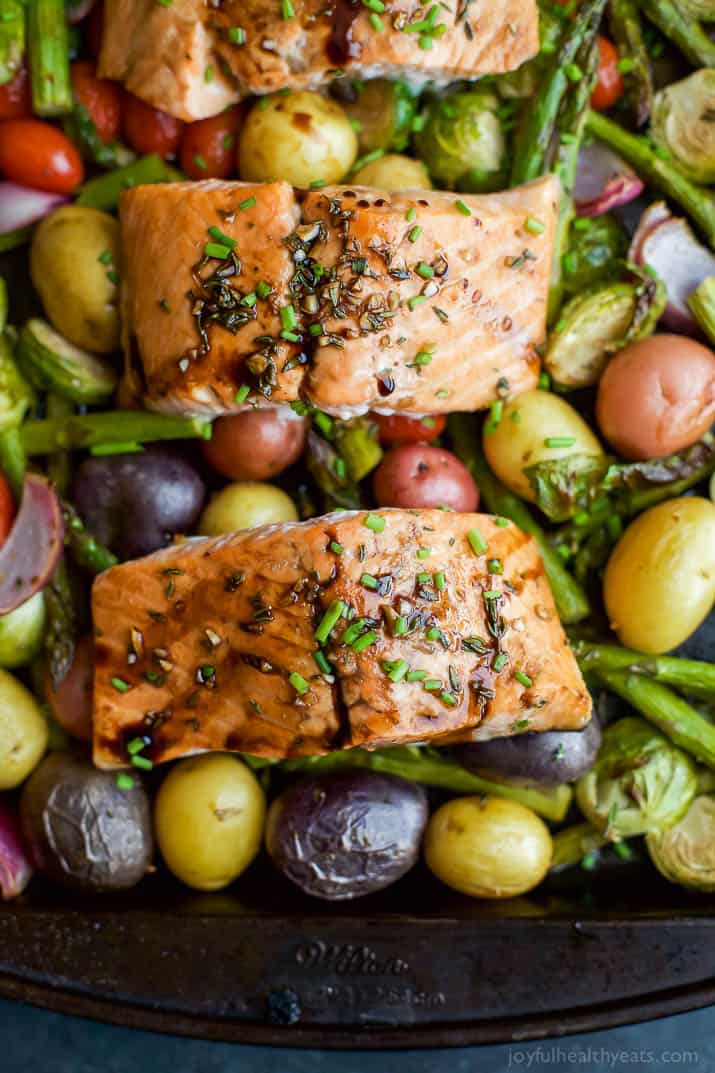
x,y
15,866
682,262
654,215
78,9
603,181
32,550
21,206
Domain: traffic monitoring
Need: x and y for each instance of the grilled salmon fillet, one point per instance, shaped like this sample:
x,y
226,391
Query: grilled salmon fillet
x,y
416,302
192,59
352,629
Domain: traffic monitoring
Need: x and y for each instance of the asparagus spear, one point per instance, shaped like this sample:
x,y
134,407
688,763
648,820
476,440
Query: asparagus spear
x,y
698,202
60,633
58,463
48,48
12,239
571,123
12,39
573,843
358,444
113,427
539,120
3,304
103,191
571,601
436,769
689,675
683,30
666,710
702,305
628,33
12,460
85,550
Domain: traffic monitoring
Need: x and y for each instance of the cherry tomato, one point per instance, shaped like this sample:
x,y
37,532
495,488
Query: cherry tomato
x,y
149,130
208,147
101,98
37,154
394,428
7,509
609,87
15,97
94,27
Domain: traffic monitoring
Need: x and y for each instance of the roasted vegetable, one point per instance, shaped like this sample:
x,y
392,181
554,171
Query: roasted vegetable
x,y
12,40
702,305
596,249
381,111
102,192
487,847
416,475
51,363
208,817
462,142
109,432
48,50
244,505
257,444
393,171
88,829
23,732
16,396
21,632
551,758
594,325
640,782
675,19
688,675
358,444
683,127
629,37
524,82
685,852
343,835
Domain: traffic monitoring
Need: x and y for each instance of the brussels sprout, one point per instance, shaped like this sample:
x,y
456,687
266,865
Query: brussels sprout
x,y
682,124
382,113
595,248
639,783
16,396
52,363
21,632
685,852
462,141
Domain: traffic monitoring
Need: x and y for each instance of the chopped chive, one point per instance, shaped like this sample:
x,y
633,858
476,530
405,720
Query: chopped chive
x,y
416,676
217,250
249,300
424,270
322,662
439,581
501,522
416,301
353,631
224,240
376,22
401,626
135,746
124,781
374,5
236,35
573,72
369,581
424,553
142,762
428,422
477,542
448,698
396,670
494,566
338,549
340,469
623,850
424,579
424,357
410,215
589,861
374,522
463,207
559,441
495,415
534,226
414,233
364,641
500,661
432,684
323,422
299,683
289,320
263,289
290,337
287,9
544,382
242,394
492,594
120,685
329,619
106,257
247,203
523,679
200,162
434,633
208,74
318,184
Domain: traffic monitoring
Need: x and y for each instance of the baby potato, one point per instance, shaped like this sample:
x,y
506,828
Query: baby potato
x,y
657,396
528,432
23,732
659,583
256,444
245,504
487,847
208,819
21,632
393,171
73,260
300,138
415,475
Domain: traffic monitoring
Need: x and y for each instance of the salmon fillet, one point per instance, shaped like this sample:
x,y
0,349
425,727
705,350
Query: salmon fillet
x,y
187,57
417,302
211,644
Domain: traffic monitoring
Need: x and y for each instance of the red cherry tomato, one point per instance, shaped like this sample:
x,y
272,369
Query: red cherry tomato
x,y
15,97
208,147
394,428
101,98
609,87
149,130
94,27
7,509
37,154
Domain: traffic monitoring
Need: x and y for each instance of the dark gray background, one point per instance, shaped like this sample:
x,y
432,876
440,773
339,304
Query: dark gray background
x,y
34,1041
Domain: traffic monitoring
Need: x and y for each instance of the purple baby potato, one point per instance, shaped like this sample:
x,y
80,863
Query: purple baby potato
x,y
548,758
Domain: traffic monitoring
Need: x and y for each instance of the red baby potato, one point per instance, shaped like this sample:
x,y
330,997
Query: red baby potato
x,y
416,475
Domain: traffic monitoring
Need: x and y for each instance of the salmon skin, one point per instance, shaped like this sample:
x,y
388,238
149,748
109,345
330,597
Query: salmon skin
x,y
193,59
354,629
350,298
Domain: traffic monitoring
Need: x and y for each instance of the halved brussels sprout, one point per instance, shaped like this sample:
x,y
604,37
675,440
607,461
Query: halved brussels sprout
x,y
684,123
462,141
640,782
16,396
381,112
685,852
